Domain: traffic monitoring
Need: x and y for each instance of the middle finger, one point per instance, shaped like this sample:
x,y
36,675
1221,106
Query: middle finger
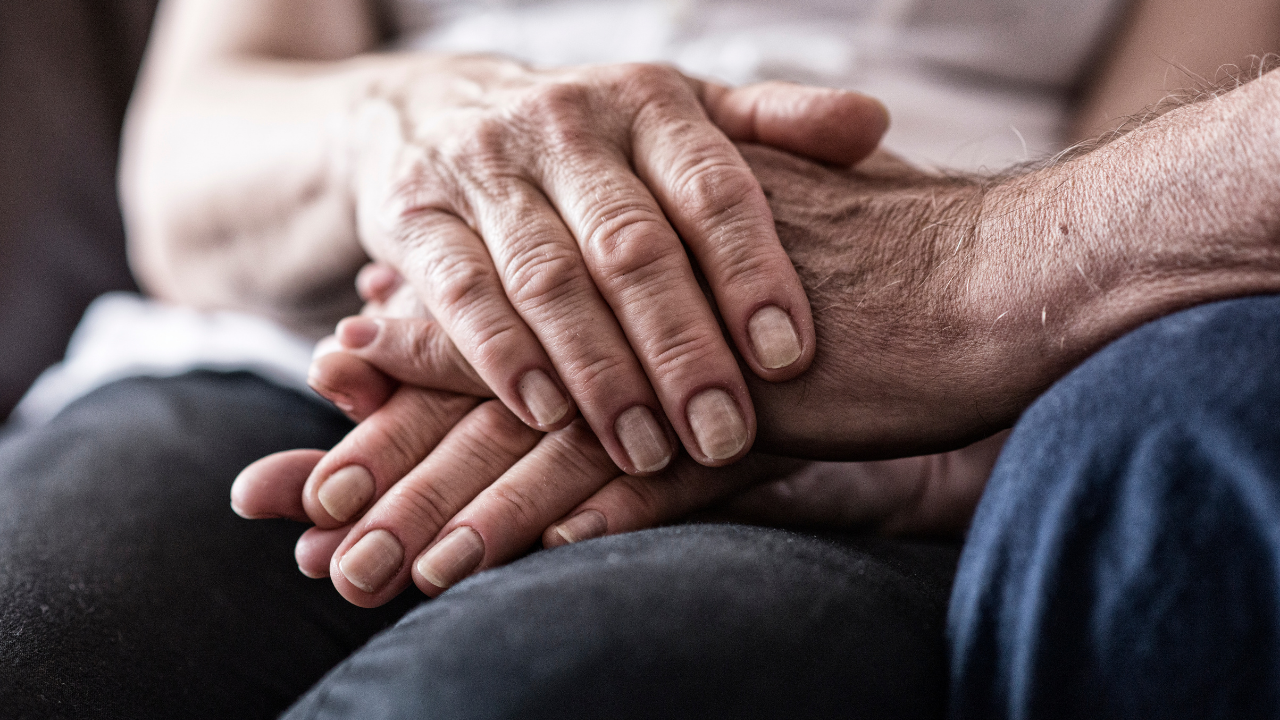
x,y
551,288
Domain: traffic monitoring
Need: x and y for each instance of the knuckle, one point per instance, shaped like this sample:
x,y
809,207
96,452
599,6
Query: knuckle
x,y
405,210
682,348
393,445
424,502
649,80
621,244
466,292
747,265
601,373
718,193
494,341
484,158
434,357
539,274
425,349
461,280
724,201
560,112
559,100
518,505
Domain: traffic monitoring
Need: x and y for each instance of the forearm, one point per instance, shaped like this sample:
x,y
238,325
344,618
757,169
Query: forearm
x,y
234,174
1182,210
945,306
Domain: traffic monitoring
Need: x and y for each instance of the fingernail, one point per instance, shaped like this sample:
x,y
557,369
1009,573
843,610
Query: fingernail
x,y
453,558
642,437
583,526
238,489
774,337
372,561
345,492
356,332
717,424
543,399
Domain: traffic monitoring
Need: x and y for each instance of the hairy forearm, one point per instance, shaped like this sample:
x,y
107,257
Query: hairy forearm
x,y
945,305
1181,210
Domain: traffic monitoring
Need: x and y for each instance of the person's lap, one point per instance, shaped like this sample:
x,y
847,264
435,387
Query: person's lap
x,y
1125,558
705,621
130,589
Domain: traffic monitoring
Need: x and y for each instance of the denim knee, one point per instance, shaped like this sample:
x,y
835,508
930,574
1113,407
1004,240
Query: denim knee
x,y
1124,559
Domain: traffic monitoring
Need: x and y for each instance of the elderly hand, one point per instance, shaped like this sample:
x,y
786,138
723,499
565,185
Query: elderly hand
x,y
505,495
433,505
543,217
433,485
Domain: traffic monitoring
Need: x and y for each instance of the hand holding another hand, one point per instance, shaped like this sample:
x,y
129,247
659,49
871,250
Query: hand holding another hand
x,y
433,507
401,501
543,218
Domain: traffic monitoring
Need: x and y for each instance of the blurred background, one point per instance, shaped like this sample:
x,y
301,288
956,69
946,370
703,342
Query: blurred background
x,y
66,70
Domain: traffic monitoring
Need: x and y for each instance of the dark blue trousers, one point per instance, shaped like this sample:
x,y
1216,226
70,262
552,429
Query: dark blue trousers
x,y
1125,559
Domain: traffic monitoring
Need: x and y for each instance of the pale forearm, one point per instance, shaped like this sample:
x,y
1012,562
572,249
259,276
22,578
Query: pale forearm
x,y
1162,47
234,180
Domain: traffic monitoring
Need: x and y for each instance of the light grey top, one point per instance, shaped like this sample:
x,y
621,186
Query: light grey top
x,y
969,83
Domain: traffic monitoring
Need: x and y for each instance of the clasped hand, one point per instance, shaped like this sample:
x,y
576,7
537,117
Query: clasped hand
x,y
545,218
435,484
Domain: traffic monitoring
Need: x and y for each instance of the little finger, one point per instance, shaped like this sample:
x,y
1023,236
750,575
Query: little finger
x,y
453,274
271,487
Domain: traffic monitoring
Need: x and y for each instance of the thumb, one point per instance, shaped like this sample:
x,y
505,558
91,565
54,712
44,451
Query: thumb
x,y
839,127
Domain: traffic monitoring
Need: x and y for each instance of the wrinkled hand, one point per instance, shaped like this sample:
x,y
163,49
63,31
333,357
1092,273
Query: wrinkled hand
x,y
445,503
540,214
931,333
444,506
914,351
441,485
